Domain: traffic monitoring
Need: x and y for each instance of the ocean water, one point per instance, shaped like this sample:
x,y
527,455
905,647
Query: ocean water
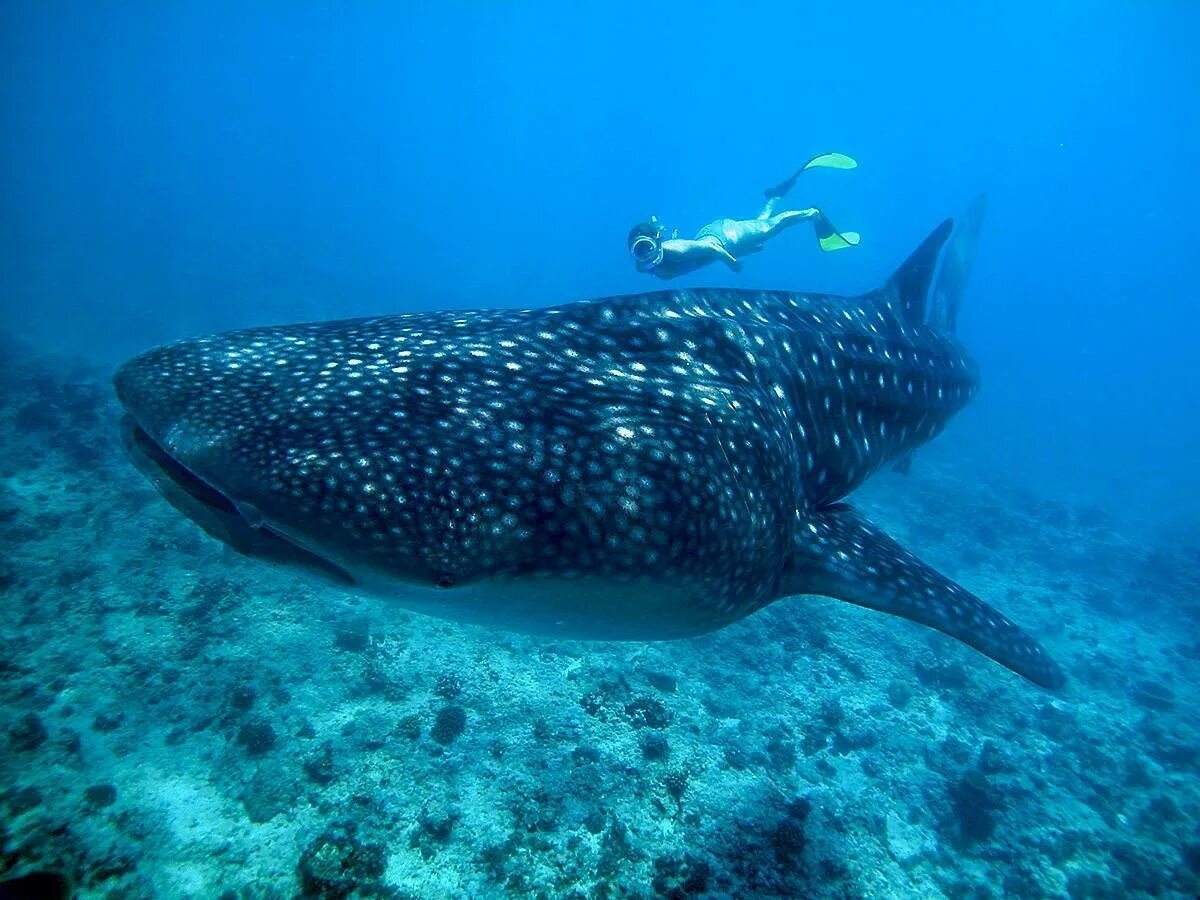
x,y
180,720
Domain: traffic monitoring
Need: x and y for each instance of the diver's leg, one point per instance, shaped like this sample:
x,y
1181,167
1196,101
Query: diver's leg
x,y
769,208
776,222
828,237
779,191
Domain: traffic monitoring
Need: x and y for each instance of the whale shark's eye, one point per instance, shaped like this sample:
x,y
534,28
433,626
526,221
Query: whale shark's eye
x,y
445,581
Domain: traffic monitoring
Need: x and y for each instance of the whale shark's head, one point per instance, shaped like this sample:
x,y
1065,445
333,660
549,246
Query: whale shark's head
x,y
172,434
267,438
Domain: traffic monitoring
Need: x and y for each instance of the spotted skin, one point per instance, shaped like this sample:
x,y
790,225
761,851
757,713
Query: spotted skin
x,y
638,467
848,557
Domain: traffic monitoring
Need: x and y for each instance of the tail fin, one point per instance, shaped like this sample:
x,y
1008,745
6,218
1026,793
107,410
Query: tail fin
x,y
952,278
908,287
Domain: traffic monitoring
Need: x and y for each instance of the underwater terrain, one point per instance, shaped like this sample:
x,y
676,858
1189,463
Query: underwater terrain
x,y
179,721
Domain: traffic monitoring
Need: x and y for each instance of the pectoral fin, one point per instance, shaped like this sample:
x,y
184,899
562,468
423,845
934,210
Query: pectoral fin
x,y
842,555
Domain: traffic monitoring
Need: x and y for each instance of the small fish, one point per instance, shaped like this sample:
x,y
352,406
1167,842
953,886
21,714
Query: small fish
x,y
640,467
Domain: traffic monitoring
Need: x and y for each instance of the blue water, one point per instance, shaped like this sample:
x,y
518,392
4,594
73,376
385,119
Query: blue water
x,y
172,170
184,170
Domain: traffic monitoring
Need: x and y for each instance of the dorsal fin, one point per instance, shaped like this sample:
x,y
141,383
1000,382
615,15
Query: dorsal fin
x,y
908,287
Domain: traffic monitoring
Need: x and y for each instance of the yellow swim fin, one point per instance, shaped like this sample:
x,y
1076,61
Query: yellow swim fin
x,y
820,161
838,241
831,161
830,238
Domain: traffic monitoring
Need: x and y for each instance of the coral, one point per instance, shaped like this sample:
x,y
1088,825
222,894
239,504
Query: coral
x,y
583,754
850,738
976,805
257,737
1152,695
737,757
371,730
448,687
319,766
269,792
337,863
647,712
687,877
1191,856
28,734
108,721
676,784
352,635
242,697
100,795
899,693
788,840
450,723
433,829
409,727
781,749
655,747
662,681
22,800
936,672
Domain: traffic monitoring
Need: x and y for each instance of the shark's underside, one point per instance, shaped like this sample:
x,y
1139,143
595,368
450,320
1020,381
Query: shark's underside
x,y
637,467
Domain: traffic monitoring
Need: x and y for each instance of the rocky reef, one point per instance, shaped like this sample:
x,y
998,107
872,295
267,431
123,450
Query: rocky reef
x,y
181,722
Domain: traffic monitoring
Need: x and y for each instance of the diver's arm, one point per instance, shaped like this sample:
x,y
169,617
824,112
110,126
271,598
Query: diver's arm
x,y
680,256
771,217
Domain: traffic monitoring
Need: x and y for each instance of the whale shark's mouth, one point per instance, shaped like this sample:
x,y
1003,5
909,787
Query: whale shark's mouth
x,y
216,513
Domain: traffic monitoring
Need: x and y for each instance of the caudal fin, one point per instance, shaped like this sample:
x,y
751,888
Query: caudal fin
x,y
908,288
955,270
843,555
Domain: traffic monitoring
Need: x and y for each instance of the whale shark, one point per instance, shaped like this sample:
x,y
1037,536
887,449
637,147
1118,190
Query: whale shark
x,y
637,467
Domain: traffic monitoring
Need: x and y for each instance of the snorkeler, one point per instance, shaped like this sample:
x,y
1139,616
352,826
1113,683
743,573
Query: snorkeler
x,y
667,255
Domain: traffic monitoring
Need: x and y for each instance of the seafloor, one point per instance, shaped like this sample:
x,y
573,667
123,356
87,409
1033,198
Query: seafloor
x,y
181,722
